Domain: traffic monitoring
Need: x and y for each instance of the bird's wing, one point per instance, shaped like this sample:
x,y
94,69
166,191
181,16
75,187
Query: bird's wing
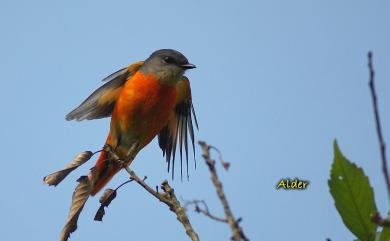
x,y
102,101
179,127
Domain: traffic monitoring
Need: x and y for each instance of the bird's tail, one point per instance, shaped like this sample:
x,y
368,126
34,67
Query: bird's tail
x,y
104,171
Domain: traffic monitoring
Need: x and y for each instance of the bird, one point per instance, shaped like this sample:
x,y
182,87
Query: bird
x,y
147,99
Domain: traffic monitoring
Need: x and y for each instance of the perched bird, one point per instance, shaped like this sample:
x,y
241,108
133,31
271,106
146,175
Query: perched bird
x,y
147,99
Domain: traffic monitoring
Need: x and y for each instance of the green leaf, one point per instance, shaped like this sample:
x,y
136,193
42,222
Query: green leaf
x,y
385,234
353,196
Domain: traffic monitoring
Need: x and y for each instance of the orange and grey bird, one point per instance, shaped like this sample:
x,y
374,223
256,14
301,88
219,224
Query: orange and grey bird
x,y
146,99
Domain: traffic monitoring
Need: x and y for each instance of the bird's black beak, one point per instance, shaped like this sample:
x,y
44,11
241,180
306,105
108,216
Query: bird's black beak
x,y
188,66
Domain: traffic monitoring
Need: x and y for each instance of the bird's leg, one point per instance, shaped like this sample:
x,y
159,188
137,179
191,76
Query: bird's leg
x,y
107,148
131,154
122,162
112,156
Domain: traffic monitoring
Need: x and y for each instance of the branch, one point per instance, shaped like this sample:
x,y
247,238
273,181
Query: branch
x,y
237,231
168,197
205,211
378,122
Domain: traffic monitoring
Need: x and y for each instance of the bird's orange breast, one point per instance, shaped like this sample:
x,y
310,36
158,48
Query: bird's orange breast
x,y
142,109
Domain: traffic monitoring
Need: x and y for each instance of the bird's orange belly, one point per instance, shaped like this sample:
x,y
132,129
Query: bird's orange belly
x,y
142,110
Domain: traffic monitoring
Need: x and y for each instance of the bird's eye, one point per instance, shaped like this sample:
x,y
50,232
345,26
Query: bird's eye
x,y
168,60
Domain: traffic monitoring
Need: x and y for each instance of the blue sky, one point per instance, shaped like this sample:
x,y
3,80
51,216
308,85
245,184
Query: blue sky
x,y
276,82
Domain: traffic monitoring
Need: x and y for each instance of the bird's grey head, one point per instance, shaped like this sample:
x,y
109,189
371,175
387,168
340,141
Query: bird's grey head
x,y
169,65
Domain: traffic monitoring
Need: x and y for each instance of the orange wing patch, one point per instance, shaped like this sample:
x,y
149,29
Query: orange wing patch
x,y
102,101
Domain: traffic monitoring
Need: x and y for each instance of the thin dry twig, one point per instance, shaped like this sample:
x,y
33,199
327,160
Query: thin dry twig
x,y
225,165
167,196
205,210
237,231
378,122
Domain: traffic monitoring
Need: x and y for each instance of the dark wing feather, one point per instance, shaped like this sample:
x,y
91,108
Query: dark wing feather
x,y
115,75
102,101
179,127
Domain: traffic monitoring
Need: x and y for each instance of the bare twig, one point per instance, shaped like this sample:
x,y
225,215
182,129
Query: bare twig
x,y
225,165
205,211
378,122
167,196
237,231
